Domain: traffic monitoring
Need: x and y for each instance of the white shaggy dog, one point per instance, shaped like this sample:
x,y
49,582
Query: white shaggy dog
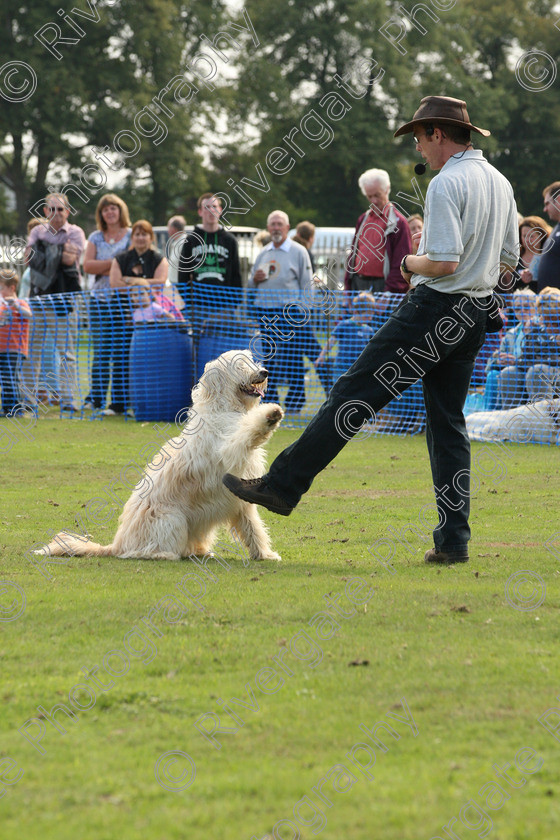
x,y
187,501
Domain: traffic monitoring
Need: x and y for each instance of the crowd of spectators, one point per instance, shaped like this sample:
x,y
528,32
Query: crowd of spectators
x,y
39,328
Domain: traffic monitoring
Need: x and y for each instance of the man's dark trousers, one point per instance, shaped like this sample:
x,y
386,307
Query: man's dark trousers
x,y
447,331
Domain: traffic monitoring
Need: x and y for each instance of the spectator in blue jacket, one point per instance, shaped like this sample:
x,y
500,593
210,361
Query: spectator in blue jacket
x,y
541,353
351,335
536,372
511,377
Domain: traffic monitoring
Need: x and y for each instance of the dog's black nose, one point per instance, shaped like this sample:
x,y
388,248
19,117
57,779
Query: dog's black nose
x,y
263,373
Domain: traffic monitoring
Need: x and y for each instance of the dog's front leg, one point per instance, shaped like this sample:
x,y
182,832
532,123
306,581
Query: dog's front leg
x,y
256,427
252,531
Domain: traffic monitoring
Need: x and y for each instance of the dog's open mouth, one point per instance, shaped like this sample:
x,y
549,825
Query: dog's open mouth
x,y
258,384
255,389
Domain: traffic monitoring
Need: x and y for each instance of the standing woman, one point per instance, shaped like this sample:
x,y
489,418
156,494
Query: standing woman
x,y
533,234
141,260
111,237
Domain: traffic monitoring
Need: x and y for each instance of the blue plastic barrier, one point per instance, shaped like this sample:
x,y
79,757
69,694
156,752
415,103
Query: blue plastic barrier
x,y
160,371
164,361
214,344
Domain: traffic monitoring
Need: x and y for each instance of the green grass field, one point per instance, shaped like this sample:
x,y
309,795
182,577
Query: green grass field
x,y
476,671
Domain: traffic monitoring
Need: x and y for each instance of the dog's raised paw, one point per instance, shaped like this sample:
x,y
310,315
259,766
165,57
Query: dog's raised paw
x,y
274,415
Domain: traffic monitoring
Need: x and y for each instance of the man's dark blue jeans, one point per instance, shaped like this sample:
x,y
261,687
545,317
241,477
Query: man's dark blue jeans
x,y
431,335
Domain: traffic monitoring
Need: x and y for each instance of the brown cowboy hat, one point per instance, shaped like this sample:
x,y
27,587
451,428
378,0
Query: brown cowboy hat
x,y
441,109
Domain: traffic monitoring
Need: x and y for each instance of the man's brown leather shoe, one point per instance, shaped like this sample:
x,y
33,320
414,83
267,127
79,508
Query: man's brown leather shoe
x,y
446,558
256,491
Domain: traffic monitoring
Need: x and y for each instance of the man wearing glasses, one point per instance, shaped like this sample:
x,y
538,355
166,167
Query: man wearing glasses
x,y
435,334
53,253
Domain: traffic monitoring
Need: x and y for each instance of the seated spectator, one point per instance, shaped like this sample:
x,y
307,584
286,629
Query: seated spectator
x,y
489,348
510,387
165,302
144,309
551,292
351,335
416,226
15,315
536,372
140,260
542,350
111,237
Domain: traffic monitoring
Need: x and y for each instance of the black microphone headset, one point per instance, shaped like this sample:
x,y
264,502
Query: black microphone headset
x,y
420,168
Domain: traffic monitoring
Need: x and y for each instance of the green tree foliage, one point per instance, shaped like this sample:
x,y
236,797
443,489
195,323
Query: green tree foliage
x,y
39,134
89,91
469,50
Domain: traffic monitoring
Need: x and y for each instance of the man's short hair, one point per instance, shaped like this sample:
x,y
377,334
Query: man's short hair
x,y
456,133
305,230
206,195
60,197
373,176
278,213
553,189
177,222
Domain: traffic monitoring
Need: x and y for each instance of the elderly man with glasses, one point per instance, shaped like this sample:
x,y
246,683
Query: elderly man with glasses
x,y
53,254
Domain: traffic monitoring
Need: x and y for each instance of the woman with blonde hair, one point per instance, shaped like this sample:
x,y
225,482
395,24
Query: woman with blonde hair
x,y
111,236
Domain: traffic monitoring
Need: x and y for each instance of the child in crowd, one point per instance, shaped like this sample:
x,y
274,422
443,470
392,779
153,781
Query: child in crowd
x,y
15,315
352,334
144,310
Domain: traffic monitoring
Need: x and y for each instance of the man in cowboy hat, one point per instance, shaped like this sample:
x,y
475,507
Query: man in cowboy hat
x,y
435,334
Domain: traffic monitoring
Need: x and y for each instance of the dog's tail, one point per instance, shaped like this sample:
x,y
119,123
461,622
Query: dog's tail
x,y
71,545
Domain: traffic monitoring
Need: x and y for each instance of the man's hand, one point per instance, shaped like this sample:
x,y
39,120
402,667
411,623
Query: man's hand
x,y
259,276
526,276
70,253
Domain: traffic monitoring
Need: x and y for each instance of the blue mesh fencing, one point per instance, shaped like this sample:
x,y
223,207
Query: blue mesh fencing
x,y
137,354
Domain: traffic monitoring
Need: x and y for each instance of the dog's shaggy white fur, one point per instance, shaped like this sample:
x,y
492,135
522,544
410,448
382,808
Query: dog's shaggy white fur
x,y
186,502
